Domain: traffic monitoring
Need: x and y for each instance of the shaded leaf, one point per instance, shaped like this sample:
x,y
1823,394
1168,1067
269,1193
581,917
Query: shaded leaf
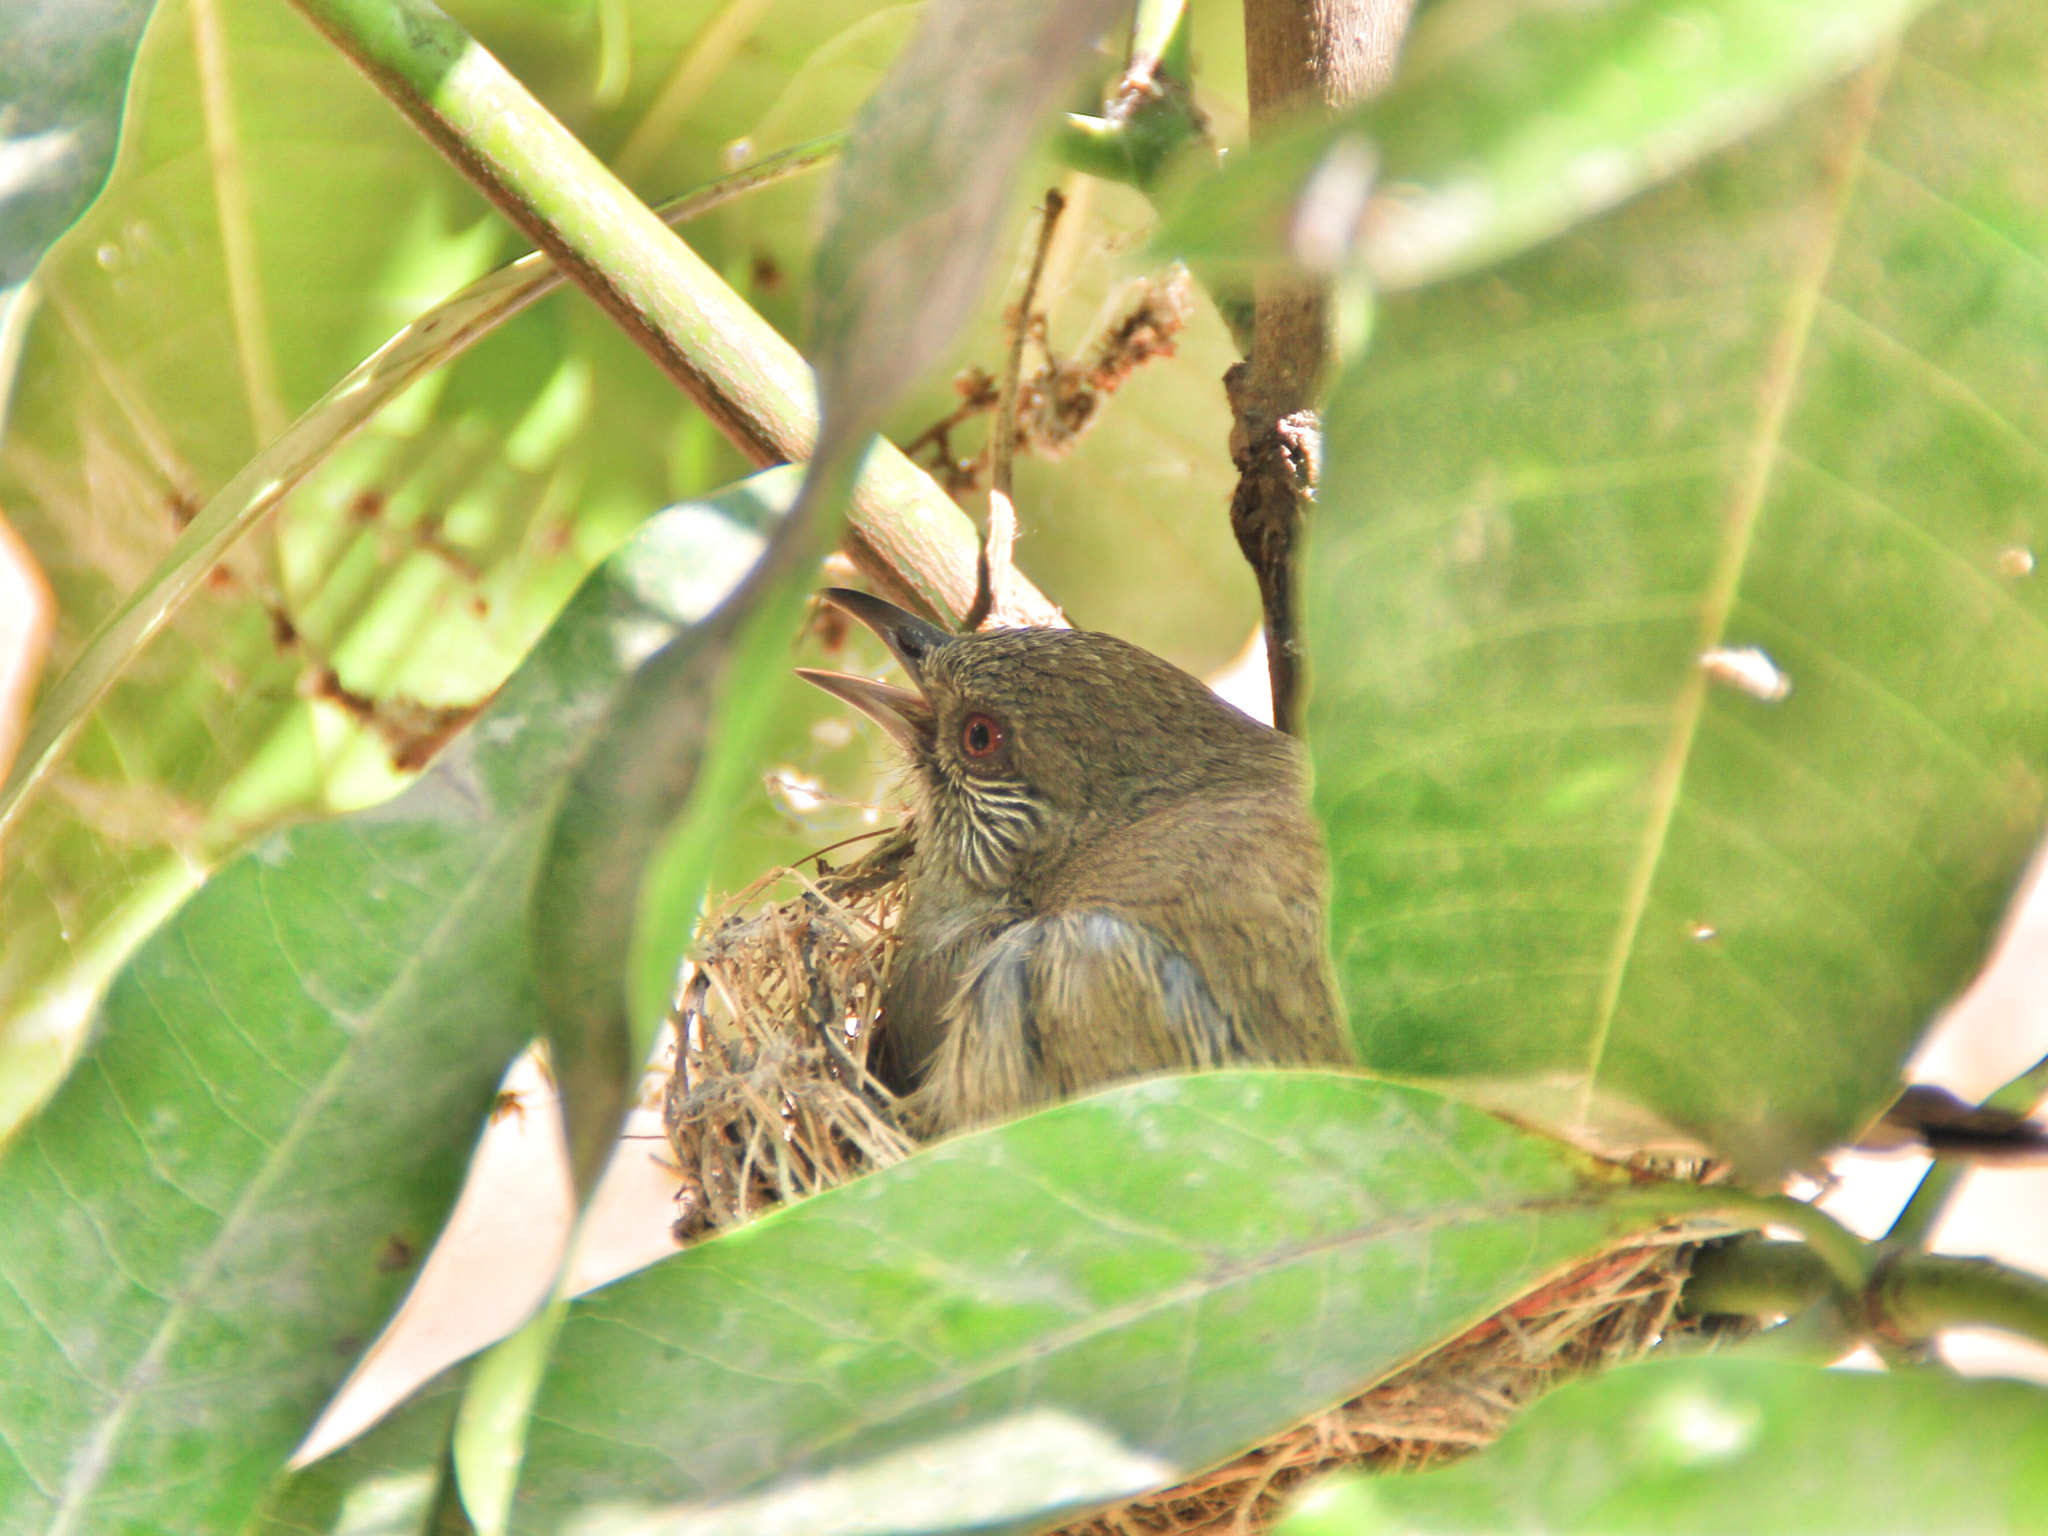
x,y
1146,1281
1681,682
223,1202
391,1482
1508,125
1728,1445
677,735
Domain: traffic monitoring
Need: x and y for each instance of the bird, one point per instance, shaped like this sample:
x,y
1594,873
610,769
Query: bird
x,y
1115,873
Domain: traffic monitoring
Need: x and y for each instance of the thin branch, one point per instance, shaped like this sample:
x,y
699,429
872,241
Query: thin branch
x,y
750,382
1909,1298
1848,1258
992,567
1003,446
1757,1277
1301,57
1916,1295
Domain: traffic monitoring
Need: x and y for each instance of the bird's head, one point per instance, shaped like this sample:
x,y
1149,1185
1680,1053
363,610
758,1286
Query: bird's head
x,y
1022,742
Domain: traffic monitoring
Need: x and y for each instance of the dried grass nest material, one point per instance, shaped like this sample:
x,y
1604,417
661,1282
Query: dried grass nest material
x,y
769,1100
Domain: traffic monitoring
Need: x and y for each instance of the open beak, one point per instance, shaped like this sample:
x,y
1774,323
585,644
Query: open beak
x,y
904,714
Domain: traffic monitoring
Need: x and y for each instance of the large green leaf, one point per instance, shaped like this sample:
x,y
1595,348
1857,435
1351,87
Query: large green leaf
x,y
225,1199
1712,1446
1586,866
683,738
1507,125
419,563
1135,1286
228,276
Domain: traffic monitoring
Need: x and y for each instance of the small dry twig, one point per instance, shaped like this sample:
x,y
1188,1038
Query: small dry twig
x,y
1055,406
1003,445
992,568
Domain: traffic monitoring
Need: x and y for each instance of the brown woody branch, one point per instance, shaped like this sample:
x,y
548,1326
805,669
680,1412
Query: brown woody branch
x,y
1301,57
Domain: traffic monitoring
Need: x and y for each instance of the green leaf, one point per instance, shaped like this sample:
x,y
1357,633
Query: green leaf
x,y
685,731
62,70
223,1202
1773,417
1137,1284
1507,126
1712,1446
222,282
262,234
391,1482
432,341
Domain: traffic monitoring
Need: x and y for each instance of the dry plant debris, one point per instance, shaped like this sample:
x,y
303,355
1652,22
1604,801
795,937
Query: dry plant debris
x,y
1061,401
769,1100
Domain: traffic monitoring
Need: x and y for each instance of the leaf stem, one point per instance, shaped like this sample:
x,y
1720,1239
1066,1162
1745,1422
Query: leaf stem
x,y
1916,1295
1848,1258
1909,1298
1150,116
1758,1277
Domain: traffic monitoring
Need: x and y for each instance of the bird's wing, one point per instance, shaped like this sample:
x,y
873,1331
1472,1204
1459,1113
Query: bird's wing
x,y
1064,1002
1235,886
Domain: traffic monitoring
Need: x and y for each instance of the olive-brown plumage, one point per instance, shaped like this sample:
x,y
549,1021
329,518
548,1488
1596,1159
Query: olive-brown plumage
x,y
1115,872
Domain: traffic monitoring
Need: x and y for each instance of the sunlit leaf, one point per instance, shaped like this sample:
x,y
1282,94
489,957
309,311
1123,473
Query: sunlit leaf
x,y
1711,1446
226,279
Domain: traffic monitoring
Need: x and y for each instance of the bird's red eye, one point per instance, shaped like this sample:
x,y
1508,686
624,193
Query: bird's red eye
x,y
980,736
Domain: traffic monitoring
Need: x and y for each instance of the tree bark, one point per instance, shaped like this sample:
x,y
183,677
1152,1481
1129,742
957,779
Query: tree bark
x,y
1301,57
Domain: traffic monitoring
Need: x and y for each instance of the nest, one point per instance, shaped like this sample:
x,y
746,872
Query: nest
x,y
770,1100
